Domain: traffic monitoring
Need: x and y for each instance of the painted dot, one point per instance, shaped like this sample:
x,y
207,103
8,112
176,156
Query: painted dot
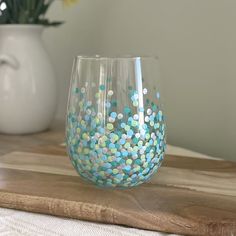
x,y
158,95
127,168
127,145
127,127
144,91
144,126
134,123
113,114
110,119
124,153
108,104
110,93
123,125
102,87
137,135
120,116
114,103
146,119
122,141
130,133
135,116
128,162
112,145
76,90
149,111
127,110
135,96
113,150
118,154
99,115
115,171
135,103
110,126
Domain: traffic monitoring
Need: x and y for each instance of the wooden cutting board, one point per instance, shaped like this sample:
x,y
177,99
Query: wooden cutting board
x,y
188,196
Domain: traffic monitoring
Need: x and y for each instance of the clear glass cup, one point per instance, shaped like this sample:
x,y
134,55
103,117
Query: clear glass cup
x,y
115,124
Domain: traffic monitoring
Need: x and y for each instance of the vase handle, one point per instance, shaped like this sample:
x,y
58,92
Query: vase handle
x,y
9,60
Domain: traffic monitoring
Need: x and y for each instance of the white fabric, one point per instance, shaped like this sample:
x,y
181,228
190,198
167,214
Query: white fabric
x,y
19,223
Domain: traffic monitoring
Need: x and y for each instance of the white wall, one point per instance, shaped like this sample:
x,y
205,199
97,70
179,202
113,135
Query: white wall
x,y
196,43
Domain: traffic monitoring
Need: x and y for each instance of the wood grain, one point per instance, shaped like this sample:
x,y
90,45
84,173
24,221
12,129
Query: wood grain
x,y
188,196
176,200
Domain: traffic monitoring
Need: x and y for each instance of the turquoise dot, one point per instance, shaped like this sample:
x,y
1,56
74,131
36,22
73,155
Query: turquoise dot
x,y
112,145
122,141
144,126
125,153
135,140
118,154
127,110
76,90
127,168
122,125
154,107
130,133
114,103
102,87
113,114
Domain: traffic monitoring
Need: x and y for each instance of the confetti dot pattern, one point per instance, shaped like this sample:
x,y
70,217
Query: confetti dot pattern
x,y
115,149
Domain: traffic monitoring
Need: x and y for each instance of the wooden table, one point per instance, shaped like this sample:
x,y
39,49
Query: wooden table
x,y
188,195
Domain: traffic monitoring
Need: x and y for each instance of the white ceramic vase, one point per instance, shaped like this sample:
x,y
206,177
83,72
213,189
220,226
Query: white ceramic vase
x,y
27,81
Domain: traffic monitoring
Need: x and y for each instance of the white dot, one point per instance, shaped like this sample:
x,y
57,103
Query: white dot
x,y
110,92
135,116
158,95
3,6
99,115
149,111
144,91
120,116
111,119
146,119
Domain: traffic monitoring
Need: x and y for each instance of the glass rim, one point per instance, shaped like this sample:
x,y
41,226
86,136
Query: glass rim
x,y
116,57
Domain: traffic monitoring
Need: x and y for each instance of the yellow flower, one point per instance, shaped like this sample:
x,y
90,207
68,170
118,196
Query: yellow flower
x,y
69,2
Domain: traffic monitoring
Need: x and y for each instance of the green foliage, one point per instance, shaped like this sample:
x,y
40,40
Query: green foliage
x,y
26,12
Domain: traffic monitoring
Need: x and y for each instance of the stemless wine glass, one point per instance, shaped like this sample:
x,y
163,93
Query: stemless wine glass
x,y
115,124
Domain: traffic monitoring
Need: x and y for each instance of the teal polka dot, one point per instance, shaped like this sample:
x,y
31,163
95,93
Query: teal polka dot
x,y
127,110
102,87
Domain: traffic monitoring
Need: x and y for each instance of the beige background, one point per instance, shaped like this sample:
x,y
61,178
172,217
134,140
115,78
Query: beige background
x,y
196,43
